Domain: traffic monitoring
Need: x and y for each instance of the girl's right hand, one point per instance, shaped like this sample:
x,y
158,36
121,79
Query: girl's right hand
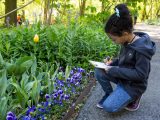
x,y
107,61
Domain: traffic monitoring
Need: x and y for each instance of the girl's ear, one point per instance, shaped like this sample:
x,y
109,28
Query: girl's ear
x,y
125,33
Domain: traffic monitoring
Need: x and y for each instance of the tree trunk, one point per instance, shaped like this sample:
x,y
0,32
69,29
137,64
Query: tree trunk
x,y
50,13
157,9
144,10
103,6
157,13
151,8
9,6
82,6
46,8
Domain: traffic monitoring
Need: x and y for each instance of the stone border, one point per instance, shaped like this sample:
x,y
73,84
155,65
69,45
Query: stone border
x,y
84,94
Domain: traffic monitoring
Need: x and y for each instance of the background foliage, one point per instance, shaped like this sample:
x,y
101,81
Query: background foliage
x,y
49,10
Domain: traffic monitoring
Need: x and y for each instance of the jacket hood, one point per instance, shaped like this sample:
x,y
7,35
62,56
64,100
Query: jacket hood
x,y
144,45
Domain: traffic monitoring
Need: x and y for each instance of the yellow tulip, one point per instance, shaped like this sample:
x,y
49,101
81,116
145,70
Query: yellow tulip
x,y
36,38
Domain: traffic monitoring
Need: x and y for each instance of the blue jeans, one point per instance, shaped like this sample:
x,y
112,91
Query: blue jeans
x,y
118,98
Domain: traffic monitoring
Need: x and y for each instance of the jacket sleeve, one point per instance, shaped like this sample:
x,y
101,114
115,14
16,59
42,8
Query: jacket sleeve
x,y
114,62
139,73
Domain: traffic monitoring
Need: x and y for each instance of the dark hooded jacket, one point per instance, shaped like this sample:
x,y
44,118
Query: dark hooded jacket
x,y
132,68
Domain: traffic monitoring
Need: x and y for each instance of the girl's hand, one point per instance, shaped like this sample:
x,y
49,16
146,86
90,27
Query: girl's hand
x,y
107,61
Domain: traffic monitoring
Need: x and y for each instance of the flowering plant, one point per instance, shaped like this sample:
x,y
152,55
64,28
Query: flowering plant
x,y
62,96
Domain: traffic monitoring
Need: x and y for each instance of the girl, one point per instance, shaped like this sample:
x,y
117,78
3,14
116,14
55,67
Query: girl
x,y
131,70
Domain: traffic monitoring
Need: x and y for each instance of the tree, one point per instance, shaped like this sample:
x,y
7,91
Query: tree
x,y
82,6
157,8
9,6
48,9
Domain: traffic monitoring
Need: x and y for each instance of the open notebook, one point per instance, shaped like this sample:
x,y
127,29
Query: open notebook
x,y
99,64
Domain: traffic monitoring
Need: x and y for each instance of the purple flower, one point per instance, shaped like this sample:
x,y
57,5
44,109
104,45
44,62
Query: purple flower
x,y
61,85
68,79
88,75
45,104
77,76
30,109
68,85
55,95
72,80
26,118
60,102
55,84
61,96
61,69
73,90
54,91
74,68
11,116
42,117
91,73
72,72
41,110
81,70
55,101
77,83
66,97
60,91
47,96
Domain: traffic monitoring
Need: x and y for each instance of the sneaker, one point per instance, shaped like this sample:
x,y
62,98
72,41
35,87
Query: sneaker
x,y
133,106
99,106
100,103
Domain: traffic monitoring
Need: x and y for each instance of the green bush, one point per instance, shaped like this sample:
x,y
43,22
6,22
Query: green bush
x,y
72,45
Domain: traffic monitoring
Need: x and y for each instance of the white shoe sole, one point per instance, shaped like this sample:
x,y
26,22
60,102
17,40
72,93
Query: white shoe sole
x,y
99,106
132,110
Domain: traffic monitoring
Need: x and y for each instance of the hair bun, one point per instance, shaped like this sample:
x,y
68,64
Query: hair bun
x,y
123,10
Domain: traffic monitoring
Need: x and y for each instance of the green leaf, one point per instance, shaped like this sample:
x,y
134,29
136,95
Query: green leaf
x,y
29,86
55,73
25,78
7,45
20,66
24,60
3,108
21,95
35,93
67,72
1,60
40,76
34,67
3,82
51,81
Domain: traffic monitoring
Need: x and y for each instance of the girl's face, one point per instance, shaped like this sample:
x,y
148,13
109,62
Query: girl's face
x,y
119,39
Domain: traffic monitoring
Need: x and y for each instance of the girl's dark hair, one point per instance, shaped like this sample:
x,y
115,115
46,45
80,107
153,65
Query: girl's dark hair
x,y
120,21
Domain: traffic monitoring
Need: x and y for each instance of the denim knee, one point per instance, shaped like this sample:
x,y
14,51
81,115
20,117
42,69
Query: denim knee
x,y
110,108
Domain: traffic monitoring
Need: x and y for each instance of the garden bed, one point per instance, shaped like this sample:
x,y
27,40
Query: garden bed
x,y
73,112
